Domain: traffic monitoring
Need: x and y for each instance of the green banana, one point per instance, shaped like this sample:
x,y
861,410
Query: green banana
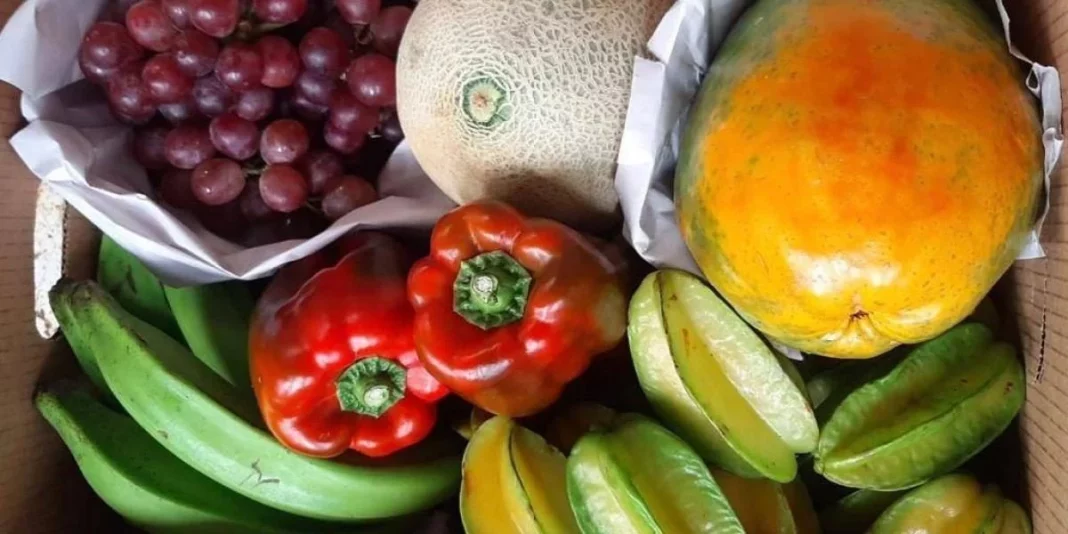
x,y
149,486
79,345
134,286
214,320
205,422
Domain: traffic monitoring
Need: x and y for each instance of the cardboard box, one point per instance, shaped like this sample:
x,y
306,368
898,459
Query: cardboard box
x,y
42,491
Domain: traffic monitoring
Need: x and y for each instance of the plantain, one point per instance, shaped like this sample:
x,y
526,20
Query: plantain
x,y
214,320
134,286
150,487
213,427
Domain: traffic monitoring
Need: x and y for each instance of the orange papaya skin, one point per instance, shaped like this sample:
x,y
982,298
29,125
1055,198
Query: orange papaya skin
x,y
856,174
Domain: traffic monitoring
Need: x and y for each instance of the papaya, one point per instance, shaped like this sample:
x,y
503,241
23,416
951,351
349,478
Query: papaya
x,y
856,175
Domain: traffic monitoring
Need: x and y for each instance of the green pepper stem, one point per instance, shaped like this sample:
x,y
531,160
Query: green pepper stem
x,y
491,290
371,386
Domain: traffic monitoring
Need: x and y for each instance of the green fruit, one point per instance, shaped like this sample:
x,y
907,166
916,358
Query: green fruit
x,y
714,381
640,478
857,511
135,287
214,320
79,345
953,503
149,486
945,401
1013,519
767,507
208,424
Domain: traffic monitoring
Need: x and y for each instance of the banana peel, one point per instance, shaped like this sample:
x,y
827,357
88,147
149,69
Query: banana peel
x,y
135,287
513,482
214,321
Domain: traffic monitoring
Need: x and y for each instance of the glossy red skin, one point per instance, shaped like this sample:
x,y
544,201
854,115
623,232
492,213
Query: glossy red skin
x,y
576,310
303,335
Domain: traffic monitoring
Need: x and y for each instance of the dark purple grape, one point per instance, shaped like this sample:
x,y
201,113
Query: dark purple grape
x,y
239,67
323,51
218,181
212,98
359,11
165,80
372,78
347,113
321,168
176,189
316,88
343,141
284,141
301,224
388,28
150,27
189,145
281,62
129,96
390,127
179,12
279,11
307,110
179,112
217,18
346,195
225,220
283,188
196,52
235,137
263,233
253,206
336,22
106,48
149,148
118,10
255,104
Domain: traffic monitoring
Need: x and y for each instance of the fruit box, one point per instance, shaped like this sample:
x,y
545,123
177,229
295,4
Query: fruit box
x,y
42,491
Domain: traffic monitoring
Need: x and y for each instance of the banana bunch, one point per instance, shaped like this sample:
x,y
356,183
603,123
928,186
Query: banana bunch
x,y
191,454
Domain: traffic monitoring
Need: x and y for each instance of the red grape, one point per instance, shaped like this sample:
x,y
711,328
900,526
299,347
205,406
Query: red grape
x,y
239,67
105,48
217,18
279,11
165,80
349,193
235,137
284,141
390,127
176,189
324,51
316,88
347,113
253,206
218,181
196,52
281,62
212,98
179,112
372,78
130,97
224,220
179,12
283,188
119,9
149,147
306,109
388,28
359,11
321,168
255,104
344,141
336,22
188,145
150,26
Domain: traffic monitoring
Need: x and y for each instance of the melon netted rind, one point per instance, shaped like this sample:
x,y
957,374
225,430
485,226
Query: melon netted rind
x,y
523,100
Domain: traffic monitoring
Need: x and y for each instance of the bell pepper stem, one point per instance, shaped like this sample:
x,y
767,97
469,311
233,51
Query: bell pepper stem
x,y
371,386
491,290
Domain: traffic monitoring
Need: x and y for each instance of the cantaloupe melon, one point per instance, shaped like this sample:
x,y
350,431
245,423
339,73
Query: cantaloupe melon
x,y
523,100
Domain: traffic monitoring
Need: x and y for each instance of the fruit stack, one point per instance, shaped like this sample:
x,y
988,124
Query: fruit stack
x,y
265,119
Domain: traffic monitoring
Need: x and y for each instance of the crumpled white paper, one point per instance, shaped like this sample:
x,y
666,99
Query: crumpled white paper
x,y
73,144
663,88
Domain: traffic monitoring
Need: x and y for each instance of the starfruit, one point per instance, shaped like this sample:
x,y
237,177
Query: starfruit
x,y
767,507
714,381
953,504
857,511
577,420
638,478
940,405
513,483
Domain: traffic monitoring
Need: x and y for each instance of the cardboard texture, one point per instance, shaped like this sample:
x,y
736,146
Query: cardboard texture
x,y
42,491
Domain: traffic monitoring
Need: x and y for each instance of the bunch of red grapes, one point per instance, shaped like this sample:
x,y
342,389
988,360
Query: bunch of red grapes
x,y
258,116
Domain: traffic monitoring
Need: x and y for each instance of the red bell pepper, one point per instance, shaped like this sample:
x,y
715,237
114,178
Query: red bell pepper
x,y
510,309
332,356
